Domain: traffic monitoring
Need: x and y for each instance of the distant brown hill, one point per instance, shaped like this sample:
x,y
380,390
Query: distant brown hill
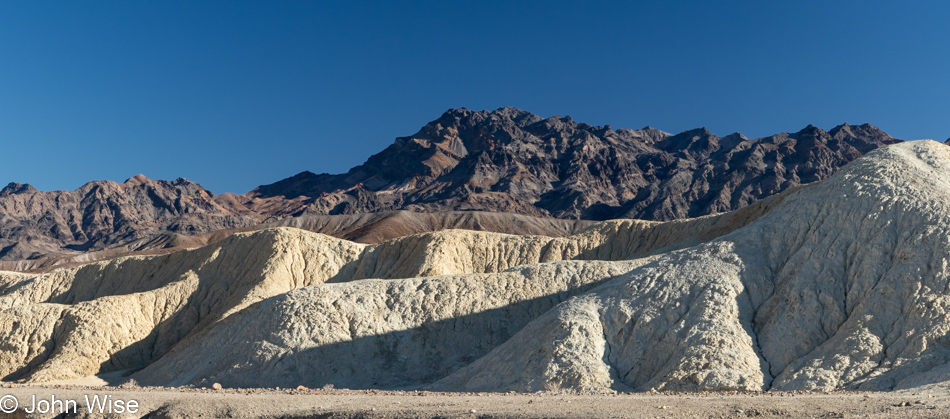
x,y
367,228
503,161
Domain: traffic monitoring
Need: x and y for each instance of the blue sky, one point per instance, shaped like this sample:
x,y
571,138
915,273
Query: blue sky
x,y
234,94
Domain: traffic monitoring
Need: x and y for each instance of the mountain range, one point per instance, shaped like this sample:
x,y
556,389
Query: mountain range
x,y
839,285
502,161
514,161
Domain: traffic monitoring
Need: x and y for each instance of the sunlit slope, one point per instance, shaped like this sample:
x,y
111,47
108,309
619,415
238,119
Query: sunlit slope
x,y
127,312
843,286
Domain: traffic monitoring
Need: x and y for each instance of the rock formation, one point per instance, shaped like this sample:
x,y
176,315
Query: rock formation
x,y
842,284
104,214
506,160
514,161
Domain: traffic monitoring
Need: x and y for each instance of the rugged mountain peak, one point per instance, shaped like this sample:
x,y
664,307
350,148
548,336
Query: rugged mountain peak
x,y
136,180
14,188
695,132
699,141
866,130
513,113
512,160
843,129
104,213
736,135
811,131
647,134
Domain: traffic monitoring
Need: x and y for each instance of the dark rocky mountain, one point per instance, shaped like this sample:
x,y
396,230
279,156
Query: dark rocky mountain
x,y
506,160
514,161
103,213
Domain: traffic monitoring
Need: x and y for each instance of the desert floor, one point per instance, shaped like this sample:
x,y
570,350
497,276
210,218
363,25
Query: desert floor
x,y
321,403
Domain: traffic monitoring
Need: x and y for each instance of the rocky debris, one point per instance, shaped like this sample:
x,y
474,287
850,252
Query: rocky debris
x,y
839,285
513,161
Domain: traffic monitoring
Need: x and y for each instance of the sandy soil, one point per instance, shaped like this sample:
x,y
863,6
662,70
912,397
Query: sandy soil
x,y
306,403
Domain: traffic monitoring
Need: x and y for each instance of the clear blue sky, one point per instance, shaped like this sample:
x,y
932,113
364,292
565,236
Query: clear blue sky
x,y
234,94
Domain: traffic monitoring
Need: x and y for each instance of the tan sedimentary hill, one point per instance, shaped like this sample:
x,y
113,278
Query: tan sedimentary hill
x,y
842,284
